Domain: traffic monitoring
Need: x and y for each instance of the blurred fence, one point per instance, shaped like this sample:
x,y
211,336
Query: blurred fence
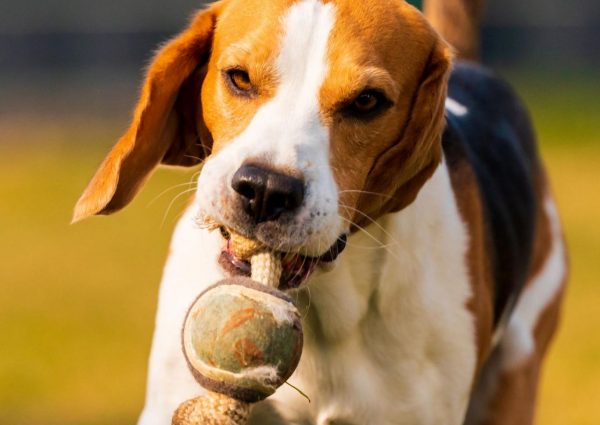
x,y
67,54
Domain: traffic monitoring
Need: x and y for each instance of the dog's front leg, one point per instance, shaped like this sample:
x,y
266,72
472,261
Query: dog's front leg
x,y
192,266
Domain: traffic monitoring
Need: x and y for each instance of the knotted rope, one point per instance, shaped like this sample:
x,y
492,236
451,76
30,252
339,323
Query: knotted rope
x,y
219,409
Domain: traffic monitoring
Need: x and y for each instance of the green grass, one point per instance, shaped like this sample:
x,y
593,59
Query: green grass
x,y
77,302
571,390
563,105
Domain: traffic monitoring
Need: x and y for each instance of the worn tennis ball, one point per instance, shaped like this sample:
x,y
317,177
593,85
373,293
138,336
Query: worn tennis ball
x,y
242,339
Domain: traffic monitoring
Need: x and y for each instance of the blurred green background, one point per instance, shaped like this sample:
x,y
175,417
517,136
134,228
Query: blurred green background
x,y
77,302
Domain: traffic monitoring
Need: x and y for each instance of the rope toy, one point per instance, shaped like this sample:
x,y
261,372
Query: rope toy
x,y
242,339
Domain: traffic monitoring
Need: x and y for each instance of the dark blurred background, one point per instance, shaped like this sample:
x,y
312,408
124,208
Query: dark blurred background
x,y
77,302
60,46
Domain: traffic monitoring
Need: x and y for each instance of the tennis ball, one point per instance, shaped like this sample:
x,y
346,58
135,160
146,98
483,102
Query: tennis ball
x,y
242,339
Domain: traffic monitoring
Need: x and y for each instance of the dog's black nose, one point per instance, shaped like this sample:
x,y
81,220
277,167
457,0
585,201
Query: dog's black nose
x,y
266,194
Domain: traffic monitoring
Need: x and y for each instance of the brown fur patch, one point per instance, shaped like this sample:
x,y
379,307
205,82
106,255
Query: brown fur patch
x,y
400,148
468,198
156,127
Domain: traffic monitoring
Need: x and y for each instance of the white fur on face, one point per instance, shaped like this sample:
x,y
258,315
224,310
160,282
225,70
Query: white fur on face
x,y
287,133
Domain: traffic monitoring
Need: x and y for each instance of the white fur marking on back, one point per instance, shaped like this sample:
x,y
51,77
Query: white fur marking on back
x,y
518,341
456,108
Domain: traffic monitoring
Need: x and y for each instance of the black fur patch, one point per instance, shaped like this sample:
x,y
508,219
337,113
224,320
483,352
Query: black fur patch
x,y
496,139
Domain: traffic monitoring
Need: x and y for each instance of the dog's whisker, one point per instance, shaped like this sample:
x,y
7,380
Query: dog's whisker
x,y
362,229
179,215
202,160
352,223
308,302
366,192
373,248
172,203
161,194
195,175
381,245
375,222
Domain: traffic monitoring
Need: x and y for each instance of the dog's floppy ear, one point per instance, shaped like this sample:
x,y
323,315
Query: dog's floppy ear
x,y
402,169
167,124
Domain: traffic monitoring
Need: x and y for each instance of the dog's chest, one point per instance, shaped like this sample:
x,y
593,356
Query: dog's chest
x,y
388,336
389,339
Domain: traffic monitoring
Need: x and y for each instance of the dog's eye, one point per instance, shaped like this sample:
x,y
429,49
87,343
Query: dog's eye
x,y
239,80
367,104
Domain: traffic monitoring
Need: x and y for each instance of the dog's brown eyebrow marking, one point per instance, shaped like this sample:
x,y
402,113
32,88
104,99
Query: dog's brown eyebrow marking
x,y
378,77
240,47
233,55
349,83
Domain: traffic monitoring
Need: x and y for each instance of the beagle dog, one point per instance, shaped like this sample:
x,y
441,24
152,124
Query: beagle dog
x,y
332,124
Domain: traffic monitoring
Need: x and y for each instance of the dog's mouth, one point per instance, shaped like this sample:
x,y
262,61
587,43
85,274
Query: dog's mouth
x,y
296,267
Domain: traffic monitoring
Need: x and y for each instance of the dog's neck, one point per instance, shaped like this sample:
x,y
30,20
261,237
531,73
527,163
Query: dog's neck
x,y
404,252
397,297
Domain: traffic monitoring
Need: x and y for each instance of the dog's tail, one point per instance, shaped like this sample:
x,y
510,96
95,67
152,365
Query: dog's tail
x,y
458,21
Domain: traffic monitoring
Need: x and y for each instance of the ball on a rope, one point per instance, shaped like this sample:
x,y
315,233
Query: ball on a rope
x,y
242,339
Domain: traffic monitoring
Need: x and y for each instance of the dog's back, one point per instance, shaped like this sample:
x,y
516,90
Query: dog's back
x,y
488,129
489,140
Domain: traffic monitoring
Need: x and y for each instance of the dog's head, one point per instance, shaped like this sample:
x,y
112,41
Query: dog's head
x,y
314,117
